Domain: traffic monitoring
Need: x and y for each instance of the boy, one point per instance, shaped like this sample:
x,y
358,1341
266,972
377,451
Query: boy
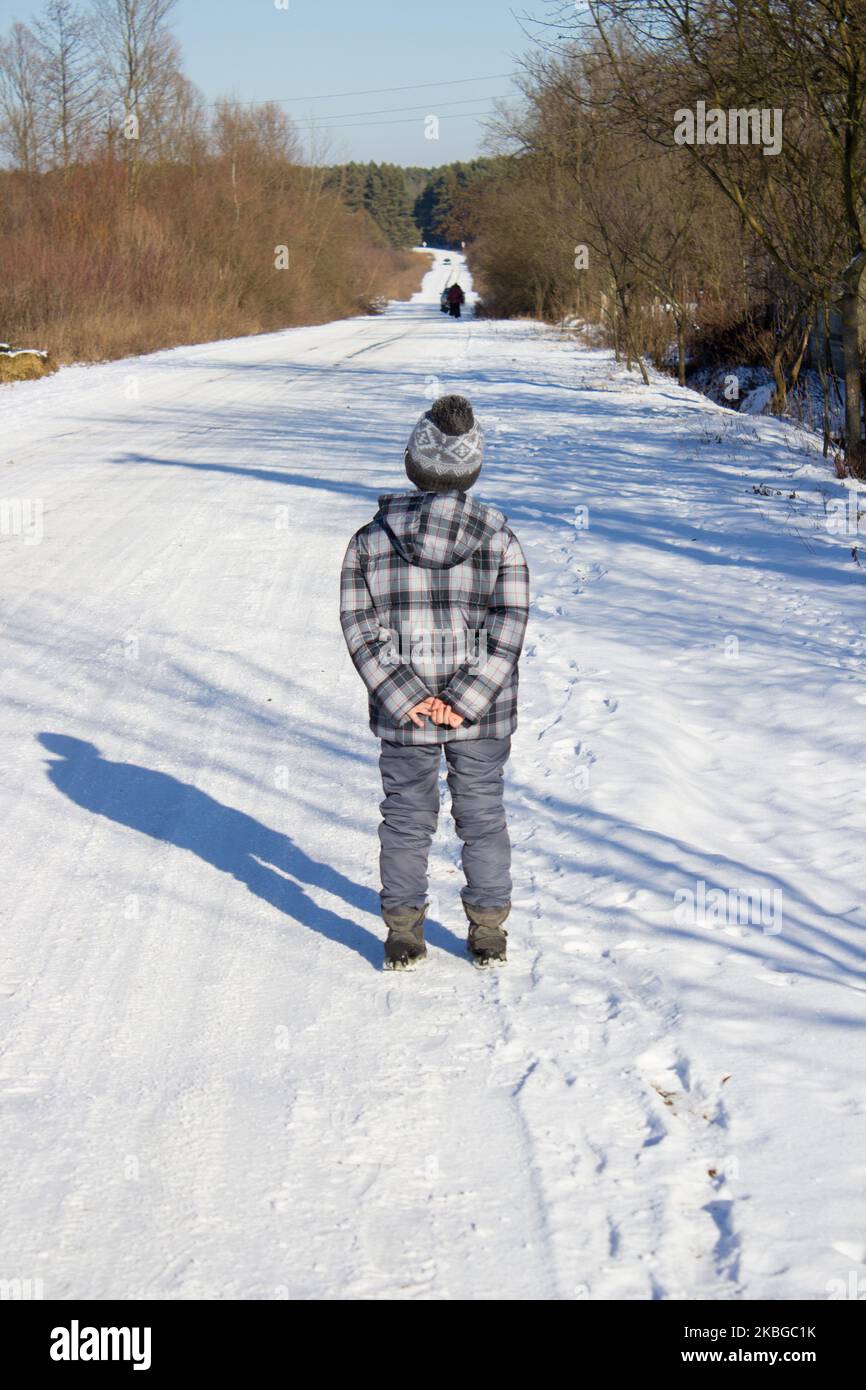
x,y
433,604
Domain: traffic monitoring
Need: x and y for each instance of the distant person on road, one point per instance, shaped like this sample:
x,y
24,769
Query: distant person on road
x,y
443,301
456,297
433,605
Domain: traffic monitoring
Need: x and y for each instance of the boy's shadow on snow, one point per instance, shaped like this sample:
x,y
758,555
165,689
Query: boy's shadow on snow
x,y
271,865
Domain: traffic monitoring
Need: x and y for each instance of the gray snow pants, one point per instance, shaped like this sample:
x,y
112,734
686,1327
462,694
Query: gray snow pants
x,y
410,811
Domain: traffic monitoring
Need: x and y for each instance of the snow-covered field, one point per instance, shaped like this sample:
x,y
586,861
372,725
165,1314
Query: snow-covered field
x,y
208,1088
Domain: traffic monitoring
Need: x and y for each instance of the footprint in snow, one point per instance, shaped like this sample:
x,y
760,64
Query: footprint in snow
x,y
840,1105
779,978
666,1069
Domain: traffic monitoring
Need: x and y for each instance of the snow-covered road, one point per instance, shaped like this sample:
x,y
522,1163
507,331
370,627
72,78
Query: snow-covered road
x,y
207,1086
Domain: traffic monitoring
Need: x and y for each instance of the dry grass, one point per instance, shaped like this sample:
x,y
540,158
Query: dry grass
x,y
91,278
403,276
24,367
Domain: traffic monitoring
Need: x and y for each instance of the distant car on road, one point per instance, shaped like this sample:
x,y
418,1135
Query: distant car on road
x,y
446,260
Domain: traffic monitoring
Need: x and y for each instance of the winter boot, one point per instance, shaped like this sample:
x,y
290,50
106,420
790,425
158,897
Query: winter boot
x,y
405,946
487,936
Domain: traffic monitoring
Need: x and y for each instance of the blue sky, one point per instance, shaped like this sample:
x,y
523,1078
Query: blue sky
x,y
253,50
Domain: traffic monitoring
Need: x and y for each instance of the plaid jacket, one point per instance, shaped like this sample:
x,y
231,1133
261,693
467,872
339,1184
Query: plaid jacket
x,y
434,598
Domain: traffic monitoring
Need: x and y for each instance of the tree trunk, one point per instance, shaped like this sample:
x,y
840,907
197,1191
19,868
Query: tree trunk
x,y
633,353
681,349
824,376
626,326
804,343
779,399
850,309
612,317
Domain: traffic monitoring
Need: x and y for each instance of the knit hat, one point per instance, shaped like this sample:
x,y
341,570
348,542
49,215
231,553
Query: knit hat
x,y
446,447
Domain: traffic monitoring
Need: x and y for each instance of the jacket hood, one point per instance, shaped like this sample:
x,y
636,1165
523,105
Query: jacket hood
x,y
437,530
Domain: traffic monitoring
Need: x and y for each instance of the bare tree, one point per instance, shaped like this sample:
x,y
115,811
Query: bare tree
x,y
21,125
140,59
256,144
649,217
69,84
805,59
176,118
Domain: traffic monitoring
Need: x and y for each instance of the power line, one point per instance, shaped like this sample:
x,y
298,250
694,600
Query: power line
x,y
405,120
91,117
386,111
369,92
